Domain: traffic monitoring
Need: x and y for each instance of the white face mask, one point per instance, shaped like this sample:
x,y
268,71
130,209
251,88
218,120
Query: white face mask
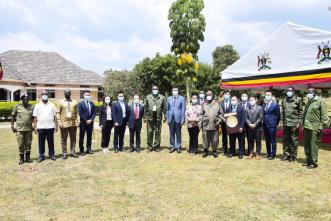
x,y
310,96
227,97
194,101
44,97
234,103
120,98
252,102
268,98
155,92
175,93
202,96
87,97
209,98
107,101
244,98
289,93
136,100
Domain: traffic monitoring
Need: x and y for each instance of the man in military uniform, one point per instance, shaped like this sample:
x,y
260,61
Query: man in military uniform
x,y
22,115
67,117
210,121
292,112
155,107
314,119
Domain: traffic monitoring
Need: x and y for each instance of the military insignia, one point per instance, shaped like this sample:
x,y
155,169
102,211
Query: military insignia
x,y
263,61
323,54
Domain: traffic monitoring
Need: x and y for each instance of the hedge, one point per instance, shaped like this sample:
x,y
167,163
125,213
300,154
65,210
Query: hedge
x,y
6,108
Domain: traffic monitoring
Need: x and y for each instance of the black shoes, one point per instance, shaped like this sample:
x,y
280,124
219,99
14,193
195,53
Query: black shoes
x,y
21,159
89,152
52,158
285,158
205,154
41,159
172,150
64,157
179,150
138,149
231,155
82,154
271,158
240,157
312,166
116,149
267,156
27,157
215,154
73,155
131,150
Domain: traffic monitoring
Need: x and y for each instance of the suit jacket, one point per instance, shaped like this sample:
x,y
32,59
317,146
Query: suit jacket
x,y
272,115
131,116
228,110
84,113
176,109
241,115
254,116
117,113
103,115
247,105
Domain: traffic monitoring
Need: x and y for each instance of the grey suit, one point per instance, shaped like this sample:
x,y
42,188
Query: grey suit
x,y
254,115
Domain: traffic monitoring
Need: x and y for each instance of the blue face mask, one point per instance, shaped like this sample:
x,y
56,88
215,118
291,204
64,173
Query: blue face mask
x,y
289,93
87,97
44,97
227,97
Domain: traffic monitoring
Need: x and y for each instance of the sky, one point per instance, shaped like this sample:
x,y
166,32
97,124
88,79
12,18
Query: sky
x,y
116,34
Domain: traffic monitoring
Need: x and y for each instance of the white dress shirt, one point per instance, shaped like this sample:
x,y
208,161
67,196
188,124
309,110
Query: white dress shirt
x,y
109,113
123,109
45,114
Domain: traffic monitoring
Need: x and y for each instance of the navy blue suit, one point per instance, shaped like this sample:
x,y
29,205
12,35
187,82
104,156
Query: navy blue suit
x,y
87,112
241,115
245,105
223,126
270,122
117,116
135,125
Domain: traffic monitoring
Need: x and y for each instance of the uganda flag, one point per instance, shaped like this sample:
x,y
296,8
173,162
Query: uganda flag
x,y
1,71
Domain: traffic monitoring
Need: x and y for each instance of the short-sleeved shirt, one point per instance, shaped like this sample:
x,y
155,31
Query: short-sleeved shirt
x,y
45,114
23,116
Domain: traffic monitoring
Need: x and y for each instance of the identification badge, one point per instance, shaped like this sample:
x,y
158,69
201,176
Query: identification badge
x,y
154,108
68,114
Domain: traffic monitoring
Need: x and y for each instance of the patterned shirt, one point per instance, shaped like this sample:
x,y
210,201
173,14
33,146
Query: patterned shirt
x,y
193,115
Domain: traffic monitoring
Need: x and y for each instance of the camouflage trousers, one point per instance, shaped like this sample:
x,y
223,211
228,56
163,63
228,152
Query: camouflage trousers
x,y
24,140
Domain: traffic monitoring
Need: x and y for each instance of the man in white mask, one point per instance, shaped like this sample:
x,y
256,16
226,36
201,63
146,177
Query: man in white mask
x,y
202,97
135,123
176,107
245,104
271,112
225,106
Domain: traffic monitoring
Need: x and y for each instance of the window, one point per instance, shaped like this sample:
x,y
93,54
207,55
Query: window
x,y
51,93
32,93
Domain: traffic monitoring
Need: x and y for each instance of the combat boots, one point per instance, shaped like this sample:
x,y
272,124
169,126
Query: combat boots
x,y
21,159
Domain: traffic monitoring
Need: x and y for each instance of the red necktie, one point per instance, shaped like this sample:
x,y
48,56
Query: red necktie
x,y
136,112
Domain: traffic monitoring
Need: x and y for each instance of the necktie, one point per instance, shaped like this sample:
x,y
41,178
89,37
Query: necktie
x,y
136,112
88,107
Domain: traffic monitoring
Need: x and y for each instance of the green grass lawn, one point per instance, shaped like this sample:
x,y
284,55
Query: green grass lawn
x,y
160,186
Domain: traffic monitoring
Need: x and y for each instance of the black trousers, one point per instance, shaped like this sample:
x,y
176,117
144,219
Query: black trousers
x,y
135,131
119,133
106,131
233,139
43,135
254,136
224,137
85,129
194,139
245,136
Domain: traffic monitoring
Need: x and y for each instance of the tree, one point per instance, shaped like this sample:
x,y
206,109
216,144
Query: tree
x,y
223,57
158,71
207,79
126,81
187,25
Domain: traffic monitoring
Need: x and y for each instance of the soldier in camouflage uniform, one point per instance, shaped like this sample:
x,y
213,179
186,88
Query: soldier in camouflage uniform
x,y
22,115
292,112
155,106
314,119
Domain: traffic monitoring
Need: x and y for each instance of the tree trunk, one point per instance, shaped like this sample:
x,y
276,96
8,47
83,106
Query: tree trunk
x,y
187,90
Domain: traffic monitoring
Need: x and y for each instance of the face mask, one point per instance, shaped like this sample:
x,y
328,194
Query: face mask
x,y
120,98
289,93
234,103
136,100
107,101
209,98
194,101
175,93
310,96
87,97
252,103
202,96
227,97
155,92
268,98
244,98
44,97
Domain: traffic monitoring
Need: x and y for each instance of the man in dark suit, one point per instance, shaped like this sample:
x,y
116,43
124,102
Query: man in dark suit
x,y
271,120
241,116
135,123
254,117
245,104
87,113
225,106
120,116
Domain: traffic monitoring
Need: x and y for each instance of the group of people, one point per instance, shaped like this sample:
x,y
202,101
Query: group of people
x,y
203,113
